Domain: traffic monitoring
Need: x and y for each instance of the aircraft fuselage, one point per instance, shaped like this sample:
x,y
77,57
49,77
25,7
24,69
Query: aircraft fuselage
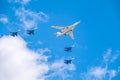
x,y
67,30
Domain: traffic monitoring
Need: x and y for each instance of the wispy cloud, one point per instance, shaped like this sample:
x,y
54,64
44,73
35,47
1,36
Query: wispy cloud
x,y
102,72
17,62
60,71
3,19
115,56
99,73
94,73
30,19
44,50
112,73
23,2
107,55
25,17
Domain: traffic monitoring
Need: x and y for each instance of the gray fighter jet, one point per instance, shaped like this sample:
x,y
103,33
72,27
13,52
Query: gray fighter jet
x,y
67,30
68,61
31,31
14,33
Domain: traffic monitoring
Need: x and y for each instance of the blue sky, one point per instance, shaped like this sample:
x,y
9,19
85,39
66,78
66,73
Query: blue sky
x,y
96,45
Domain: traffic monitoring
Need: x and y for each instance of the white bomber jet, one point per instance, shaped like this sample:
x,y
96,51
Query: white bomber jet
x,y
67,30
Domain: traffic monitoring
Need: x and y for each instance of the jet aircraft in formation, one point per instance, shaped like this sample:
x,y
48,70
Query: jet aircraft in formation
x,y
64,31
13,34
31,31
67,30
68,49
68,61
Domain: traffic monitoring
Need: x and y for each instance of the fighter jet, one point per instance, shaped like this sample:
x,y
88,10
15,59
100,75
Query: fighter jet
x,y
67,30
68,61
14,33
68,49
30,32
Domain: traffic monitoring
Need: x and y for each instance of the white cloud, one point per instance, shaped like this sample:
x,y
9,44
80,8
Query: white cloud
x,y
30,19
110,57
102,72
112,73
23,2
17,62
60,71
3,19
94,73
97,72
107,55
44,50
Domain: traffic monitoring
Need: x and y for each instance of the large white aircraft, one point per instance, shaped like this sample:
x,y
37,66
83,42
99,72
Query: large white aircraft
x,y
66,30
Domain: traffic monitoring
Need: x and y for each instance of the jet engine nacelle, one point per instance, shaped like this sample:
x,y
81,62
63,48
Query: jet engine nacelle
x,y
58,34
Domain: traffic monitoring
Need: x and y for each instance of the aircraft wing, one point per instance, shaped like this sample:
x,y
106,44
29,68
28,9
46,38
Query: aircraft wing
x,y
71,34
57,27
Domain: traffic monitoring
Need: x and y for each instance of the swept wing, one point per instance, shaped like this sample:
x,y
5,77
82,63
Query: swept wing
x,y
70,33
57,27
